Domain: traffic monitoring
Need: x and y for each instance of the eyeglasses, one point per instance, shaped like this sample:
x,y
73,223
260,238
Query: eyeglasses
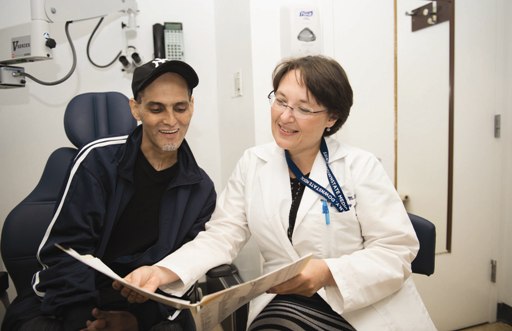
x,y
298,112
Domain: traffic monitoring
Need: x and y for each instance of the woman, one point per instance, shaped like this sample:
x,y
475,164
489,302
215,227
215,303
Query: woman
x,y
308,193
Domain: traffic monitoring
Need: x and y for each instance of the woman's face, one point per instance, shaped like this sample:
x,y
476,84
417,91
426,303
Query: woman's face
x,y
302,134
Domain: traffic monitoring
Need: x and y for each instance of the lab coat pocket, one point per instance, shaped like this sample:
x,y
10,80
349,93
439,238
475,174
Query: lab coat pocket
x,y
329,233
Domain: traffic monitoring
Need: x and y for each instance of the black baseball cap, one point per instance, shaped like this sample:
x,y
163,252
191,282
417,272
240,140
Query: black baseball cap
x,y
148,72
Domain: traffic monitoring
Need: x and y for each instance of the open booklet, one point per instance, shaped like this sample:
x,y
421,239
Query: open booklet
x,y
214,307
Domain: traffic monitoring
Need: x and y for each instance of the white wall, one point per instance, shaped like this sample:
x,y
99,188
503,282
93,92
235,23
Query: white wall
x,y
363,43
236,111
422,118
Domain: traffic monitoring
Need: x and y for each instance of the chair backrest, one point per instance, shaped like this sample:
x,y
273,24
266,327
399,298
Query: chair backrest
x,y
424,263
88,116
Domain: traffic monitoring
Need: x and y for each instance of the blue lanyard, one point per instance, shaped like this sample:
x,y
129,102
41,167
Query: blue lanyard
x,y
337,199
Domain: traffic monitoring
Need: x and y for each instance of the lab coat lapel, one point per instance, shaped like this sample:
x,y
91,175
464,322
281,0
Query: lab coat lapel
x,y
274,181
275,184
318,174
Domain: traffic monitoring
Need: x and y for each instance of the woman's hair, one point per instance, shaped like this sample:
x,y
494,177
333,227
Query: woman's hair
x,y
326,80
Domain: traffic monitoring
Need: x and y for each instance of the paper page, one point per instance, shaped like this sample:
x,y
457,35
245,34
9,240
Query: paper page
x,y
217,306
212,308
97,264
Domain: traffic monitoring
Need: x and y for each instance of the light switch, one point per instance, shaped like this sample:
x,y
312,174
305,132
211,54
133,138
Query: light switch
x,y
237,80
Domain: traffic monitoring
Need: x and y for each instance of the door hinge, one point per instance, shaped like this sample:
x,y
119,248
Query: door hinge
x,y
494,267
497,126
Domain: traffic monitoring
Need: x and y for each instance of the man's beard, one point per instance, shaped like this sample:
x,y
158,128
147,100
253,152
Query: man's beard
x,y
169,147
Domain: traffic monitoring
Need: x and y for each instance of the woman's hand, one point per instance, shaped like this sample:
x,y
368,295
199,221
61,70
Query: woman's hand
x,y
315,275
148,278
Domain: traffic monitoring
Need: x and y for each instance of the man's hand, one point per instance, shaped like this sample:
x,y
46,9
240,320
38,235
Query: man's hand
x,y
112,321
148,278
315,275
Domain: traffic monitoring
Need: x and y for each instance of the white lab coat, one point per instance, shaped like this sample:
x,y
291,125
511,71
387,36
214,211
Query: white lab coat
x,y
368,249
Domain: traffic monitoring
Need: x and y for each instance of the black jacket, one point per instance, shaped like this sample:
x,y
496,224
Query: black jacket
x,y
99,187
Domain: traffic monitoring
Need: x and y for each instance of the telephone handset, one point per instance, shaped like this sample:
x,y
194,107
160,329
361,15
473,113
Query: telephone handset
x,y
168,40
158,41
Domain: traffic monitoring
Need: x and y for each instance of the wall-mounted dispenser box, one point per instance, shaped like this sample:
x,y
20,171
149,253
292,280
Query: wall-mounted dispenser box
x,y
301,29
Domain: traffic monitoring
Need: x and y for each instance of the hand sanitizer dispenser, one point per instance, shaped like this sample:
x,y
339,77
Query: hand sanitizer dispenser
x,y
300,30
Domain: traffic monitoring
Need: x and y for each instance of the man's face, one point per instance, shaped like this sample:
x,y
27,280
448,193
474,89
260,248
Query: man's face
x,y
165,111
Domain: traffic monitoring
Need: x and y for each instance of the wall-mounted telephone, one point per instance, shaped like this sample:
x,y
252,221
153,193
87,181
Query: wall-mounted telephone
x,y
168,40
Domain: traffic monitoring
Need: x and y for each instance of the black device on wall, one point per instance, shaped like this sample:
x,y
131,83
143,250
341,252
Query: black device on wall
x,y
168,40
158,41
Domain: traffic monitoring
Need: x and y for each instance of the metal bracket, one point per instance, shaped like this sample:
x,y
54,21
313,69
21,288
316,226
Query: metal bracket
x,y
431,14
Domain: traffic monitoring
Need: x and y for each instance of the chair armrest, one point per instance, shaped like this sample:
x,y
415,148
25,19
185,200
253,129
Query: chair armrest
x,y
220,278
4,285
4,281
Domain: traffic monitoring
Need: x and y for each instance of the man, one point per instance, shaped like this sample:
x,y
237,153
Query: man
x,y
131,202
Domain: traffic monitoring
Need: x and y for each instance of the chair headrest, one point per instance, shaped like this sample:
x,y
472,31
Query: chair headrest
x,y
90,116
